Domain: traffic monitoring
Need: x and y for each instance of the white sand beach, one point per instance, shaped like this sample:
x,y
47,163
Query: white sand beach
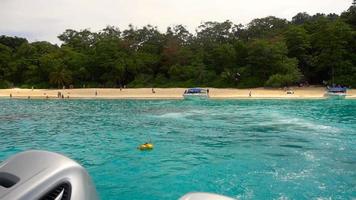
x,y
166,93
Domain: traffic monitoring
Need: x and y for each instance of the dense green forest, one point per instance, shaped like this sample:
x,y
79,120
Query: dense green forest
x,y
269,52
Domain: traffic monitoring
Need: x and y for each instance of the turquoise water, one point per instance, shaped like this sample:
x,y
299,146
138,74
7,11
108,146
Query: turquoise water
x,y
256,149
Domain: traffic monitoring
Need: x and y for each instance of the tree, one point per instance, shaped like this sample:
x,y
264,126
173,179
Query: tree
x,y
5,58
331,44
266,60
266,27
349,16
214,32
301,18
299,46
180,33
222,57
60,77
266,52
12,42
288,75
80,41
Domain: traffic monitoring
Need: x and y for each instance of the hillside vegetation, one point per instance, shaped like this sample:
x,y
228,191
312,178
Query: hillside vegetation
x,y
270,52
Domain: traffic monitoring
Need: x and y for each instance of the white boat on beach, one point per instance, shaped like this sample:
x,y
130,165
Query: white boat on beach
x,y
336,92
196,93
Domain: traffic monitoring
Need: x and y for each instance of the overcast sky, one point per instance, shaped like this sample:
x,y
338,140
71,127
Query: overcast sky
x,y
45,19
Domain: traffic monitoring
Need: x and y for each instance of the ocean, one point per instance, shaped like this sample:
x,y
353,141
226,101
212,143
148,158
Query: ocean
x,y
245,149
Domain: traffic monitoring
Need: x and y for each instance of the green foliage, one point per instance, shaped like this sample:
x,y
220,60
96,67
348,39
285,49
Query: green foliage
x,y
266,27
349,16
333,46
289,75
297,41
4,84
5,58
299,46
269,52
278,80
60,77
12,42
301,18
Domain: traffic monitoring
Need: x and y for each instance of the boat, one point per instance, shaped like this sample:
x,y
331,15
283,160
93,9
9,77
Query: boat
x,y
335,91
196,93
44,175
338,92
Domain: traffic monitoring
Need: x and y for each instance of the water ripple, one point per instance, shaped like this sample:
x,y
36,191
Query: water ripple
x,y
259,149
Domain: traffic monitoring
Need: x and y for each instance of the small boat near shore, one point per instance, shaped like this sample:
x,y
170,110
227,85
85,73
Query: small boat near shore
x,y
196,93
336,92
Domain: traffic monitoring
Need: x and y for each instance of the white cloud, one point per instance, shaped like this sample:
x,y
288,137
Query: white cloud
x,y
45,19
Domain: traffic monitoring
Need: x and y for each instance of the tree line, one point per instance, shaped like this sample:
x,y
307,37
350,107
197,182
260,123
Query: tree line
x,y
267,52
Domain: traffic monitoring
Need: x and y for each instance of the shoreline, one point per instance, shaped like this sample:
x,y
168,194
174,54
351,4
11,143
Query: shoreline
x,y
149,99
166,93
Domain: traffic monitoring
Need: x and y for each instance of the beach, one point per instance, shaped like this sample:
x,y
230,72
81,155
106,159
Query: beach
x,y
166,93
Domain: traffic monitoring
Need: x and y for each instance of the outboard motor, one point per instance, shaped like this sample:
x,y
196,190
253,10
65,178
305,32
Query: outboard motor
x,y
45,176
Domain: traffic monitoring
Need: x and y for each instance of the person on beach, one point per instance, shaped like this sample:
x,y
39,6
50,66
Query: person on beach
x,y
96,93
250,94
153,90
10,96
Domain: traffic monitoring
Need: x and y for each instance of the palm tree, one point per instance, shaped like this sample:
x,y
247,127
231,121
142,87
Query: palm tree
x,y
60,77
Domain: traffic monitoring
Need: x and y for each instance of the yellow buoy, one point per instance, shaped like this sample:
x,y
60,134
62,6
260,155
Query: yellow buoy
x,y
146,146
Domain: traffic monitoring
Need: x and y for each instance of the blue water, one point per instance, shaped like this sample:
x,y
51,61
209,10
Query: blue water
x,y
253,149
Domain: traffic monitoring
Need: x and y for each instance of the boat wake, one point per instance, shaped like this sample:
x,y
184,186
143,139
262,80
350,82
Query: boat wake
x,y
295,123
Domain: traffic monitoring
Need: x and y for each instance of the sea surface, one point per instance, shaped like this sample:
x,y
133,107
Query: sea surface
x,y
246,149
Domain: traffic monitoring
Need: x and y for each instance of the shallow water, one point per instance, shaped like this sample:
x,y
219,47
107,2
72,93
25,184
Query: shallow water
x,y
253,149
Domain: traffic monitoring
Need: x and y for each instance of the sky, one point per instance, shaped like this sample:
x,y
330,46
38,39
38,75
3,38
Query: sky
x,y
39,20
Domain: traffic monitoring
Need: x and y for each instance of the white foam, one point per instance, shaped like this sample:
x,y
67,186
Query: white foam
x,y
286,176
309,156
282,197
174,115
182,114
295,122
